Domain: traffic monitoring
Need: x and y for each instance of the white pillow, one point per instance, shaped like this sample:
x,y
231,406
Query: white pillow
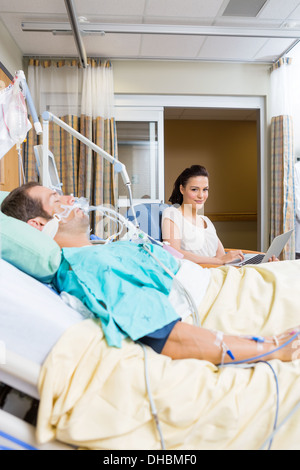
x,y
32,316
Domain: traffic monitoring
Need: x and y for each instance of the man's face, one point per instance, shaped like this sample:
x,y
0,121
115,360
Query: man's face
x,y
52,203
50,199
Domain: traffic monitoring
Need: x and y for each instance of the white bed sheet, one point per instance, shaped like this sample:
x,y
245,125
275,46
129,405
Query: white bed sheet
x,y
32,316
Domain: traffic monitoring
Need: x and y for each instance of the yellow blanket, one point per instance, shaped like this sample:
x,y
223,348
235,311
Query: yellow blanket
x,y
95,397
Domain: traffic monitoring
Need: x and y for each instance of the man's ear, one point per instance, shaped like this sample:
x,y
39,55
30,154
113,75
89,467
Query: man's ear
x,y
38,223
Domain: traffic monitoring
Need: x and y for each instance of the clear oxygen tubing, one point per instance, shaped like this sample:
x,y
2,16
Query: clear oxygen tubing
x,y
22,178
134,233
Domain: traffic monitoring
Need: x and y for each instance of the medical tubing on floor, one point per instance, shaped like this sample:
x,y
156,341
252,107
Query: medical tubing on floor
x,y
152,404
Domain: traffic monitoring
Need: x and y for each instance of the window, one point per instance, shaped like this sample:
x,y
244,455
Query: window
x,y
140,149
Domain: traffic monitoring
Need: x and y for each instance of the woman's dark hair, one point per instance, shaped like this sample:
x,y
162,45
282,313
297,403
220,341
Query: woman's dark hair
x,y
20,205
194,170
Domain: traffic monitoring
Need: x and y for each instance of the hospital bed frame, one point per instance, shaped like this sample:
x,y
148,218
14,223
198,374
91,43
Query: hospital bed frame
x,y
22,375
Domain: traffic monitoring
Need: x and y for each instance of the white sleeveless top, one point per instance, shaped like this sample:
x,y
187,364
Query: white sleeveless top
x,y
197,239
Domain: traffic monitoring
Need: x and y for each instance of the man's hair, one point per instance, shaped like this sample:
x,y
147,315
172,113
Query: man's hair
x,y
20,205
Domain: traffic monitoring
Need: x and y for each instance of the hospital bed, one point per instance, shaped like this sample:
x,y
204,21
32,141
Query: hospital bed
x,y
26,340
32,318
33,321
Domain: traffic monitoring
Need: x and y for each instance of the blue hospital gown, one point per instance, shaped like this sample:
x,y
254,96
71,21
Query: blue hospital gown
x,y
122,285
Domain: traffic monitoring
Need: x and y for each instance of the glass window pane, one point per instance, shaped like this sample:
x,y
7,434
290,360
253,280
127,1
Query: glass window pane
x,y
138,151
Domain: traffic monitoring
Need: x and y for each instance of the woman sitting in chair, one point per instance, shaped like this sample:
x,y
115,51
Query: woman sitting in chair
x,y
189,232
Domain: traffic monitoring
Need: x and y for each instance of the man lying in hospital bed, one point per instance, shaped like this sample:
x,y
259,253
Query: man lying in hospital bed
x,y
95,395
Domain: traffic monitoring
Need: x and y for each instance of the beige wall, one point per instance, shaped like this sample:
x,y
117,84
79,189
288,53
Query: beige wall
x,y
228,149
158,77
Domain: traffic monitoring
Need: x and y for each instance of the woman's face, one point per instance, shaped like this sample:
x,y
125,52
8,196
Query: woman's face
x,y
195,192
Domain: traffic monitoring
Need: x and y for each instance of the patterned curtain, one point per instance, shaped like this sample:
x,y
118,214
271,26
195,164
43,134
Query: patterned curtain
x,y
283,188
85,102
282,166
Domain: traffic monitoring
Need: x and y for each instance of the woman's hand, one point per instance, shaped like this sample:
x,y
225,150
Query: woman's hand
x,y
235,255
273,259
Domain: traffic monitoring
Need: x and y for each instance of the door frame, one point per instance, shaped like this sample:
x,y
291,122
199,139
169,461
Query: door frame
x,y
146,114
224,102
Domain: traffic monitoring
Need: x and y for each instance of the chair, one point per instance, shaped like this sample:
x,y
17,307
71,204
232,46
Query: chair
x,y
149,217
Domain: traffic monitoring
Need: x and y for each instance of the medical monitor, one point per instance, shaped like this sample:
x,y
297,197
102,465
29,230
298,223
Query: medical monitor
x,y
54,181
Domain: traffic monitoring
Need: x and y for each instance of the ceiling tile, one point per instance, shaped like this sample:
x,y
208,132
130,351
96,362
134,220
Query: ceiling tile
x,y
276,13
104,8
273,49
113,45
183,9
171,46
231,48
278,9
33,6
296,14
51,44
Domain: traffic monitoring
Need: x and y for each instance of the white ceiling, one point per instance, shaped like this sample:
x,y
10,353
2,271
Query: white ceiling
x,y
275,17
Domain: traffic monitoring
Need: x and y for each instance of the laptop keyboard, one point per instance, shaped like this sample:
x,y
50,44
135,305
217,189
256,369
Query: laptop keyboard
x,y
255,260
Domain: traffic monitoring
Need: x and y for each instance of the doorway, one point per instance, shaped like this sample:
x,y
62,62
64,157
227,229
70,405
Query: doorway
x,y
225,142
229,108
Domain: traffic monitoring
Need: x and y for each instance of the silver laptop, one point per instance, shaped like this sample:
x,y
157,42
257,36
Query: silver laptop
x,y
275,250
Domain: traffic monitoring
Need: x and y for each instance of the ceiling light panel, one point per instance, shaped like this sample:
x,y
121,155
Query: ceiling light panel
x,y
244,8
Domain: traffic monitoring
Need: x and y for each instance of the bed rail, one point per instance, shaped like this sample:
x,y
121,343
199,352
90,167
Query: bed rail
x,y
21,435
20,373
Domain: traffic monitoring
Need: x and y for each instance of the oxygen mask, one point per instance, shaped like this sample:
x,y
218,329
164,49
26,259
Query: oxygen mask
x,y
52,226
82,203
